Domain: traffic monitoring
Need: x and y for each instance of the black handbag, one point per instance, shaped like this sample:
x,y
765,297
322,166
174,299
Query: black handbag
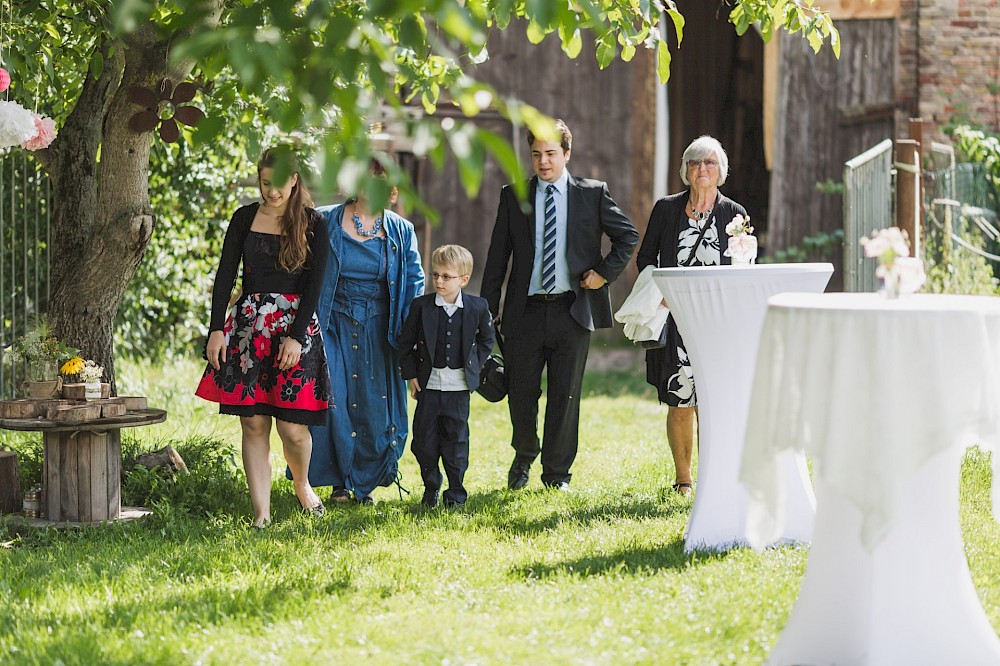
x,y
493,378
657,343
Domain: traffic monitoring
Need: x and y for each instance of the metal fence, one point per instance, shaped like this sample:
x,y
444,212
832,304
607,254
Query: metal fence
x,y
868,196
25,240
961,204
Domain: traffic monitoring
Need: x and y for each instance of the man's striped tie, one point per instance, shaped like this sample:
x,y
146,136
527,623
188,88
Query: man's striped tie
x,y
549,241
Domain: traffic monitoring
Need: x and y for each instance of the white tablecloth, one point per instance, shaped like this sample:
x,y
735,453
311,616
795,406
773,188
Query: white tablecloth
x,y
719,312
884,396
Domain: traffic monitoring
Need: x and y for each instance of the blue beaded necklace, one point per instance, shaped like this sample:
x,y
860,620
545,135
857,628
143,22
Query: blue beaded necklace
x,y
361,230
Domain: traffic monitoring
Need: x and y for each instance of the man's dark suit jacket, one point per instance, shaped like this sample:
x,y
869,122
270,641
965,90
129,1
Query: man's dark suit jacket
x,y
591,213
419,335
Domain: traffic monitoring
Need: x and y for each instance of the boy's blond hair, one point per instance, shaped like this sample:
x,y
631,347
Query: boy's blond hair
x,y
453,255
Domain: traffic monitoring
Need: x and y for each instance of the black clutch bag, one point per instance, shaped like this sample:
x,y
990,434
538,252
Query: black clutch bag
x,y
493,379
658,343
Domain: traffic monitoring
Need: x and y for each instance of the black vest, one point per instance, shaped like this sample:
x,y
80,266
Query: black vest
x,y
448,350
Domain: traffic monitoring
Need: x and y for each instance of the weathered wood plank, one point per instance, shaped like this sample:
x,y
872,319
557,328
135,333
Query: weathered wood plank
x,y
78,391
69,497
51,407
85,459
114,457
53,487
74,413
99,480
22,408
816,92
133,402
10,483
109,409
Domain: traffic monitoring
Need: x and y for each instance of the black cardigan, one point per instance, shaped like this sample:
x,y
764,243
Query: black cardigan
x,y
308,279
659,244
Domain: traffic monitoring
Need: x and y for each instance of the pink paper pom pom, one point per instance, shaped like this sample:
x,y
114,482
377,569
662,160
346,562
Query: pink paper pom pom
x,y
4,79
46,133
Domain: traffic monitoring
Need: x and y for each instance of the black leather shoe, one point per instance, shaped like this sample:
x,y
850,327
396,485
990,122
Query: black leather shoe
x,y
430,499
450,503
517,477
562,486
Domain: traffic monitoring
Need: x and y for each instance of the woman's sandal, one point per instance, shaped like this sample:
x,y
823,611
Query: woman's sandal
x,y
685,489
340,496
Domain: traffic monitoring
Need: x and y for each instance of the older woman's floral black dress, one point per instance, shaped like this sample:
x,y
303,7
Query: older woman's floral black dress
x,y
249,381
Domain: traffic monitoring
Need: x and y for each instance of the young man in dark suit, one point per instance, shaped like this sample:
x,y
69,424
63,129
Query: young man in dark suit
x,y
556,294
444,342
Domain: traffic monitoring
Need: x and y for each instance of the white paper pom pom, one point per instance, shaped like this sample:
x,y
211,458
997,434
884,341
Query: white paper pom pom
x,y
17,124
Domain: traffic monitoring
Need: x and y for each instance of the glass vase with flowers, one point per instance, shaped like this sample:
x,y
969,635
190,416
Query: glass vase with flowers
x,y
40,353
91,374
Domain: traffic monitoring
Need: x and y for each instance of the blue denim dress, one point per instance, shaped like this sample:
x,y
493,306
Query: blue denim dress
x,y
364,372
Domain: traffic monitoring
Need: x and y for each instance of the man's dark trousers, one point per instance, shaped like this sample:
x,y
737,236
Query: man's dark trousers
x,y
441,431
549,337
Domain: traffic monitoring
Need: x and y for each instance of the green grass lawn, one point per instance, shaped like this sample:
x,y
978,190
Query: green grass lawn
x,y
598,576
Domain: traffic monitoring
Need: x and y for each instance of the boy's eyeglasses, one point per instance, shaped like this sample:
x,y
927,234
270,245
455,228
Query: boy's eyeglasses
x,y
445,278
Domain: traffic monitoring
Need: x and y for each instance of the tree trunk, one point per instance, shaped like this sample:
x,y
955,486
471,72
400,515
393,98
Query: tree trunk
x,y
102,220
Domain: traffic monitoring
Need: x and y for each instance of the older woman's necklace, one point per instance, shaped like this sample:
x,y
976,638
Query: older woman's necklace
x,y
361,227
696,214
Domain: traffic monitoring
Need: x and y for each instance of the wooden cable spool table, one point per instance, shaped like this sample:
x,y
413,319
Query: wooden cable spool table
x,y
82,463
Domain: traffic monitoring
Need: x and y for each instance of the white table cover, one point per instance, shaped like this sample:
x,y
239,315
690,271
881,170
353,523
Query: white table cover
x,y
719,312
884,396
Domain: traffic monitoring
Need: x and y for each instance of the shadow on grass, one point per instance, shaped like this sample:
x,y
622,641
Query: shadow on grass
x,y
532,512
628,561
638,560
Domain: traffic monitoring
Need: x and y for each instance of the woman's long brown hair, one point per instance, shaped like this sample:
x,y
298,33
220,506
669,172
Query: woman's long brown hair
x,y
294,243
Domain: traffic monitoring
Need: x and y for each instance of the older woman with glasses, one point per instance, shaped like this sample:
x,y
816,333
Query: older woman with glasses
x,y
686,229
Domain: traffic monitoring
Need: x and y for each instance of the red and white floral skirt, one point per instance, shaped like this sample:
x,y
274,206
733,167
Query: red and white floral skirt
x,y
249,382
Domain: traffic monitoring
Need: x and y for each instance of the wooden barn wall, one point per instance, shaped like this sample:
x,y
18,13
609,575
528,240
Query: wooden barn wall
x,y
828,111
610,113
716,87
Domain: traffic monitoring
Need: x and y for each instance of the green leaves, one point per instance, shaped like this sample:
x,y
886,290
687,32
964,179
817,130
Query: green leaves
x,y
606,51
663,62
795,16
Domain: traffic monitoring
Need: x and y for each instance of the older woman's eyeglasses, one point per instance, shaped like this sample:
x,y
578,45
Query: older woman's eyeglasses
x,y
444,277
696,164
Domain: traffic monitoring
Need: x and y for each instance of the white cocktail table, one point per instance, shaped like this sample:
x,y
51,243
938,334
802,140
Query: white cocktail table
x,y
884,397
719,311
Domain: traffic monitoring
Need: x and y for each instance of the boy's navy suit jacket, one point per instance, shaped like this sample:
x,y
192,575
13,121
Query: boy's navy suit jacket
x,y
419,336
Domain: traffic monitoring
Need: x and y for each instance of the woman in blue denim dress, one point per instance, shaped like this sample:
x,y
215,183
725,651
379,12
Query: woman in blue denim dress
x,y
373,274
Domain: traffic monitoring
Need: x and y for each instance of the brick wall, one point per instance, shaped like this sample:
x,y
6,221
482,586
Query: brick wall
x,y
948,63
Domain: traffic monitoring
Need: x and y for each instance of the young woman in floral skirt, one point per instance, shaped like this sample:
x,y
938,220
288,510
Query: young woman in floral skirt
x,y
266,359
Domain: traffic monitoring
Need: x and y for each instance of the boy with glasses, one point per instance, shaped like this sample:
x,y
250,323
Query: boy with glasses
x,y
444,343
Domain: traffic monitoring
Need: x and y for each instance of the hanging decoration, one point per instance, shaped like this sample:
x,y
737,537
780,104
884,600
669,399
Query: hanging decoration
x,y
46,128
164,108
17,124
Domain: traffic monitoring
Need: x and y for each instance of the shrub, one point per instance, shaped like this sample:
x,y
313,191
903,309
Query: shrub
x,y
214,483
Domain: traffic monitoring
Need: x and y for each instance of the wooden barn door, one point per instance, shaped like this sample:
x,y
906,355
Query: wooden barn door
x,y
716,88
827,111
